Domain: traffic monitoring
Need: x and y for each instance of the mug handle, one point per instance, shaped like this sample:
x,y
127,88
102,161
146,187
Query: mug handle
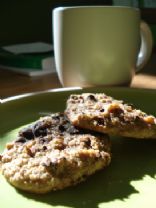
x,y
146,46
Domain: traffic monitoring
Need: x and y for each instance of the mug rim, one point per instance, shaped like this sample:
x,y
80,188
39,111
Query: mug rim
x,y
62,8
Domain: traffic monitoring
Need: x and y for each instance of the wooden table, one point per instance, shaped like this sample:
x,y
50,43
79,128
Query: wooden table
x,y
14,84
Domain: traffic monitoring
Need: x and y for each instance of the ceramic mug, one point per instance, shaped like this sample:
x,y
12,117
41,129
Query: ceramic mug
x,y
99,45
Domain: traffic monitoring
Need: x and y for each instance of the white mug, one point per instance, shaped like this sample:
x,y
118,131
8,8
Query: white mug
x,y
99,45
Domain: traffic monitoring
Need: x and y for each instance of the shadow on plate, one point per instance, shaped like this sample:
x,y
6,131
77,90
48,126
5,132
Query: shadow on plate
x,y
132,159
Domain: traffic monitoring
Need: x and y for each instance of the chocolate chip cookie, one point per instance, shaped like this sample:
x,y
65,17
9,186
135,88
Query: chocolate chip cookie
x,y
103,113
52,154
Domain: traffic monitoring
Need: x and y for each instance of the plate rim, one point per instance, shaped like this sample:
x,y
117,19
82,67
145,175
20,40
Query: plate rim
x,y
71,89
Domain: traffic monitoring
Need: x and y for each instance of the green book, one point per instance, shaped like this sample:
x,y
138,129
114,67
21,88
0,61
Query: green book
x,y
32,59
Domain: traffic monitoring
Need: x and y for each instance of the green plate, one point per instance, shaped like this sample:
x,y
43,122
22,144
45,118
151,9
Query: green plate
x,y
130,180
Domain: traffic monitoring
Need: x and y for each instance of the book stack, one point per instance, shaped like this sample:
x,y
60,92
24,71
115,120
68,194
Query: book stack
x,y
31,59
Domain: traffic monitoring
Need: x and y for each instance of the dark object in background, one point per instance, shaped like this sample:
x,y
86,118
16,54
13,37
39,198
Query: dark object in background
x,y
83,3
30,21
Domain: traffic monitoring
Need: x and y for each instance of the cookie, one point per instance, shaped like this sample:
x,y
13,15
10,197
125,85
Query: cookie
x,y
103,113
52,154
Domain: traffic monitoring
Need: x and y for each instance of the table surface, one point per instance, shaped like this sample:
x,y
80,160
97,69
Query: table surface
x,y
14,84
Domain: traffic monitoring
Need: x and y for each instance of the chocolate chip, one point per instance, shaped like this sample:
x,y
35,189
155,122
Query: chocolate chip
x,y
40,129
88,143
74,97
21,140
81,97
62,128
40,132
27,133
42,140
116,111
102,110
100,121
44,148
92,98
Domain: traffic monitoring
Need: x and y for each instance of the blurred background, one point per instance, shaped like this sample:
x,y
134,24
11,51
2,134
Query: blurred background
x,y
23,21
